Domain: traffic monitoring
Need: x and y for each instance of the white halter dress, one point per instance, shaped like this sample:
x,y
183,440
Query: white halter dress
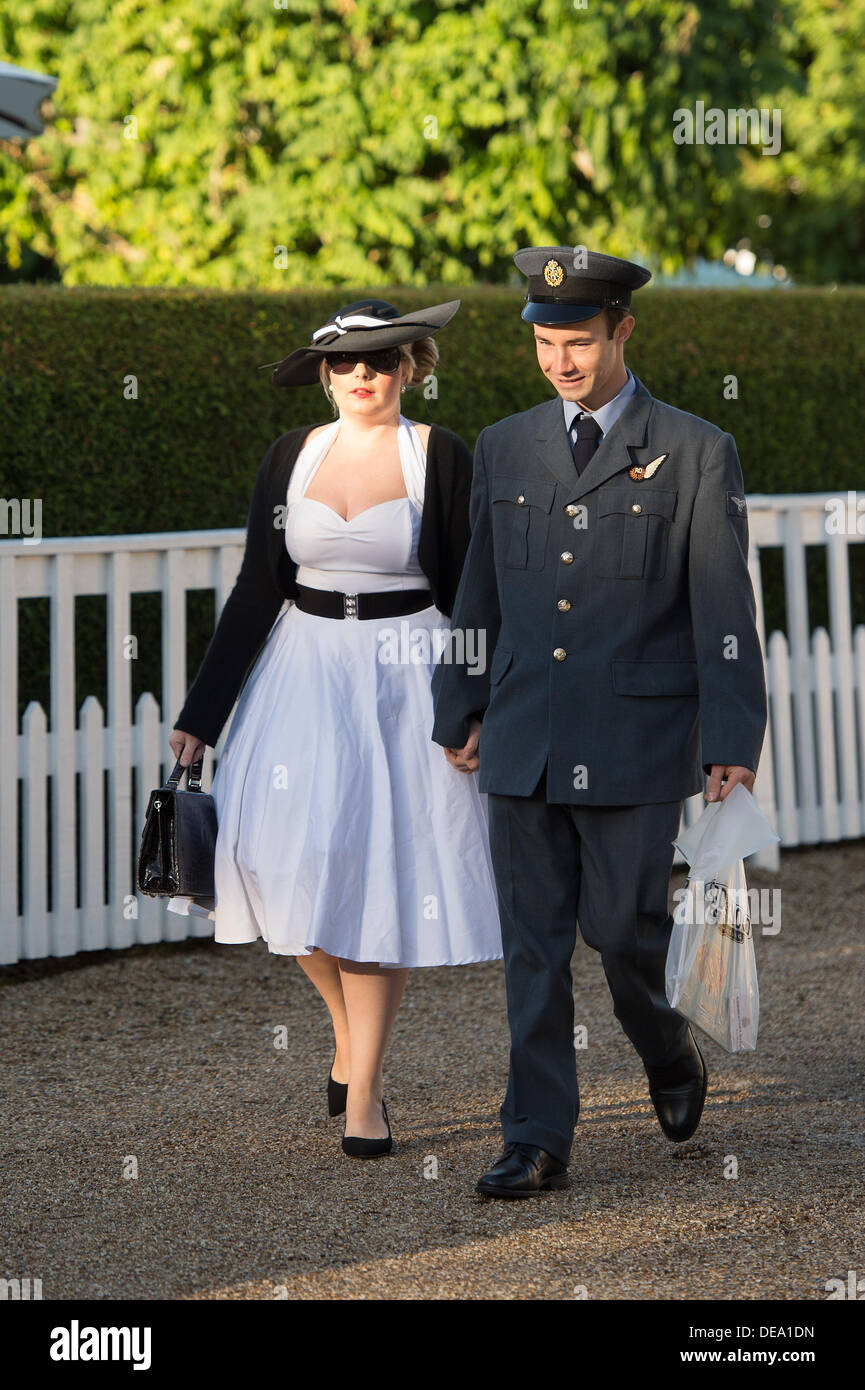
x,y
341,824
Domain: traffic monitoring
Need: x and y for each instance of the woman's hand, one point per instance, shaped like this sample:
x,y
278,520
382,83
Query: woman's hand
x,y
186,747
466,759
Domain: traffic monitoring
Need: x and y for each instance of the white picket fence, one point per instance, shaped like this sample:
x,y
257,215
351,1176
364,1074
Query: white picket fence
x,y
814,753
94,917
811,782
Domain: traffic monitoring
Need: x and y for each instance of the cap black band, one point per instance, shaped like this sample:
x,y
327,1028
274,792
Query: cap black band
x,y
606,302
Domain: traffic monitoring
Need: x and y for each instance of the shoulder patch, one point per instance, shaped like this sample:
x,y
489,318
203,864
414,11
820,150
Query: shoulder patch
x,y
736,505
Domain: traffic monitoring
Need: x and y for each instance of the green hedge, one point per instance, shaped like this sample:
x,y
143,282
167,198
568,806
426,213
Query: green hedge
x,y
183,455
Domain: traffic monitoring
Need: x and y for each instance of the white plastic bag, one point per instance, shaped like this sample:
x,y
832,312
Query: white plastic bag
x,y
711,975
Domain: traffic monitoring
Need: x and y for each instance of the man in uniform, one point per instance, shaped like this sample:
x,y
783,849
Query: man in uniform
x,y
608,569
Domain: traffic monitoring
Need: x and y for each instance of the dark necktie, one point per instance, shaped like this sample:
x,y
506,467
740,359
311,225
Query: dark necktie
x,y
585,437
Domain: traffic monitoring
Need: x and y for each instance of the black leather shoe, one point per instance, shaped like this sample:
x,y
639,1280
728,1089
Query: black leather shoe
x,y
357,1147
523,1170
678,1092
337,1093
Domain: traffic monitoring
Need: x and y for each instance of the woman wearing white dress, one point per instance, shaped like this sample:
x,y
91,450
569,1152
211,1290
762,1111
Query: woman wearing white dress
x,y
347,837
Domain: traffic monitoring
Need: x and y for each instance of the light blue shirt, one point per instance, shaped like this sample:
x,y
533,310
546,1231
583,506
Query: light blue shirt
x,y
606,415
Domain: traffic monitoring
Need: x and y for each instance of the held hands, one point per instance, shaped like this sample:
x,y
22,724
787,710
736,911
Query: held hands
x,y
186,747
466,759
733,774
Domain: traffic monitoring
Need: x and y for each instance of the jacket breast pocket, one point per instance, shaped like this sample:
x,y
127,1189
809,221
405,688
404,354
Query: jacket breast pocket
x,y
521,520
632,531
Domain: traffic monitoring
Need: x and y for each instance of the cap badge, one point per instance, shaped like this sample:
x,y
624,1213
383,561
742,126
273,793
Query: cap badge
x,y
641,471
554,273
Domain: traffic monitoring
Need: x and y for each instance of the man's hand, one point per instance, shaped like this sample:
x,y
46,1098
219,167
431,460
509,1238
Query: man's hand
x,y
466,759
733,774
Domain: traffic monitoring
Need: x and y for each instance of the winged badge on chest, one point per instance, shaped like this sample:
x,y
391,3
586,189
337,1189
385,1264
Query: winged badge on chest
x,y
641,471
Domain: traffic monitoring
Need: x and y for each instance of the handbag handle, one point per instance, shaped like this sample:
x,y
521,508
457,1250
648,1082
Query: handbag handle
x,y
193,772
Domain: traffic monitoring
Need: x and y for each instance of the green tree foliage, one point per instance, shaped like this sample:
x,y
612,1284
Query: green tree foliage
x,y
814,191
422,141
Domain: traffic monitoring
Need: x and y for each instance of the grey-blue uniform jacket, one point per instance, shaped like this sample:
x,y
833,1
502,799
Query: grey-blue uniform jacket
x,y
618,614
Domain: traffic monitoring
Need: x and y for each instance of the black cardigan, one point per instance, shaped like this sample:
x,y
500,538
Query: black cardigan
x,y
268,574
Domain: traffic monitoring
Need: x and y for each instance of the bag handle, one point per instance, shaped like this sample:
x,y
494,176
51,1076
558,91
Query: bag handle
x,y
193,772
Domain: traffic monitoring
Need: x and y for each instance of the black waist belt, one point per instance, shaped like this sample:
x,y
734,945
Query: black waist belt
x,y
327,603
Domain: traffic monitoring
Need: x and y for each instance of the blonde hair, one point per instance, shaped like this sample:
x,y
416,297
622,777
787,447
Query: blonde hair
x,y
420,358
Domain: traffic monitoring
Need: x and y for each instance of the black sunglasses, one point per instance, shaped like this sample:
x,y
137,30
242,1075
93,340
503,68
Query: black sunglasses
x,y
385,360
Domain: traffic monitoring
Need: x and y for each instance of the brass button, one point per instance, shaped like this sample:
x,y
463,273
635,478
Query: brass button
x,y
563,605
521,499
636,507
567,557
571,509
560,653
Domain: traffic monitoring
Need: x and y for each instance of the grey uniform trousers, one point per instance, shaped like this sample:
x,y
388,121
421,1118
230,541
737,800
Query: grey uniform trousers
x,y
609,867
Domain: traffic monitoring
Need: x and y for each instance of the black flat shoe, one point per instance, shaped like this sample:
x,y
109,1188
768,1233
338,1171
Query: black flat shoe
x,y
523,1170
357,1147
678,1092
337,1091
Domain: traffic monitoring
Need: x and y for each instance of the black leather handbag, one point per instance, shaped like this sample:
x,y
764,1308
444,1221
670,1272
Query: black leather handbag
x,y
178,844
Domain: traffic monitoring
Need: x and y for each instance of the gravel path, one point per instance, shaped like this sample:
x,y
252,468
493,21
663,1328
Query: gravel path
x,y
165,1055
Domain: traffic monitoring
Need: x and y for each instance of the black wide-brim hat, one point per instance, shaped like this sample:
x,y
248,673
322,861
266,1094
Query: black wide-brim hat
x,y
567,284
364,326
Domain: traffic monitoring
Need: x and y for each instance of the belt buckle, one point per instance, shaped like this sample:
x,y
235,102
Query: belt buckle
x,y
349,605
